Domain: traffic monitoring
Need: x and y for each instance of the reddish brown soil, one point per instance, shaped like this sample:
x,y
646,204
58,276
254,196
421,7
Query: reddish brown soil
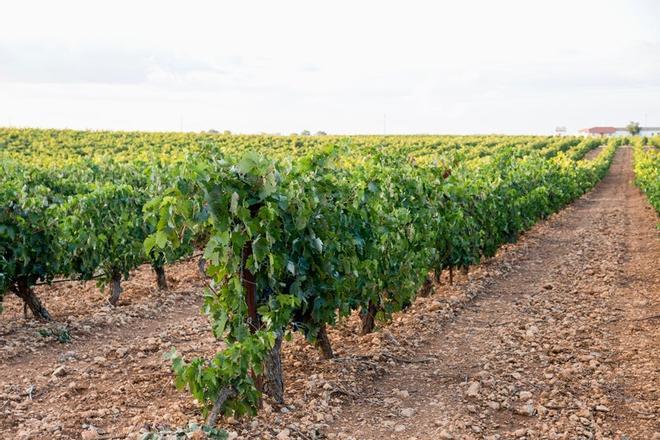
x,y
592,154
556,337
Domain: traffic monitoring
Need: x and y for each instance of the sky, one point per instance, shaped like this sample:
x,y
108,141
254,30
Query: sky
x,y
343,67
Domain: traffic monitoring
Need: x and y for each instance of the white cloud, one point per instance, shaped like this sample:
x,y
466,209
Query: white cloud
x,y
431,66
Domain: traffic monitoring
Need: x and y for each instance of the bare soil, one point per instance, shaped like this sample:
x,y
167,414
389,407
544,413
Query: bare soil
x,y
592,154
556,337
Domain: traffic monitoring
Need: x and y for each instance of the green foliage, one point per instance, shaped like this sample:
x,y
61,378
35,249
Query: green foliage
x,y
321,225
62,335
323,239
30,249
646,159
103,231
633,128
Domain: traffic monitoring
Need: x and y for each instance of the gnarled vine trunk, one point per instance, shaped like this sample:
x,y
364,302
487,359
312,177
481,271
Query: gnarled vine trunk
x,y
323,342
427,287
161,279
201,265
31,301
368,317
438,275
223,395
115,288
273,379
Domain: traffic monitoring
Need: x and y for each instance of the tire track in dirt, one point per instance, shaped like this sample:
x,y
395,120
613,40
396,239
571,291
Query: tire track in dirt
x,y
555,348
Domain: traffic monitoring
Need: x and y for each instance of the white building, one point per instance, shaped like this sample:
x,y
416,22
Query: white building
x,y
644,131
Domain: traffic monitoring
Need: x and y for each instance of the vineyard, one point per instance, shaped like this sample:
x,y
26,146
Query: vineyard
x,y
294,233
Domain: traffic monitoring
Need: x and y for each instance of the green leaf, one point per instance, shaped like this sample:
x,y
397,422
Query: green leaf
x,y
291,267
161,239
260,249
149,243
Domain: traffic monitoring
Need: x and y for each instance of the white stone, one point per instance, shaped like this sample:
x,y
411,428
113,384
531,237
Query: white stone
x,y
407,412
473,389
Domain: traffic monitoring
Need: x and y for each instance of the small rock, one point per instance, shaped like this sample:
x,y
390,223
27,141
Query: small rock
x,y
198,435
435,306
531,332
89,434
399,428
526,410
602,408
584,412
494,405
402,394
69,355
473,389
446,435
525,395
98,360
59,371
407,412
547,286
283,434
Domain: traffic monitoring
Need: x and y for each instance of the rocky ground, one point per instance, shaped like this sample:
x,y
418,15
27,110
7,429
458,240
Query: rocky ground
x,y
556,337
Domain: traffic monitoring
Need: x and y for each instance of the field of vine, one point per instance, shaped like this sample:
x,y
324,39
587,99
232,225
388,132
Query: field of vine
x,y
295,232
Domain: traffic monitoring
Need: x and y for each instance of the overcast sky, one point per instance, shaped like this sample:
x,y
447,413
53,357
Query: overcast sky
x,y
340,66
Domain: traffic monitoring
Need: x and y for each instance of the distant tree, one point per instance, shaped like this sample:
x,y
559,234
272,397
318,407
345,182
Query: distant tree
x,y
212,131
634,128
227,132
305,133
320,133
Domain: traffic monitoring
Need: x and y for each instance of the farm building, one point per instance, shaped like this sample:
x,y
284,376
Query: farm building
x,y
598,131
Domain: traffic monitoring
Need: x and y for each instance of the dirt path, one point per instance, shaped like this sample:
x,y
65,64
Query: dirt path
x,y
556,337
565,345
